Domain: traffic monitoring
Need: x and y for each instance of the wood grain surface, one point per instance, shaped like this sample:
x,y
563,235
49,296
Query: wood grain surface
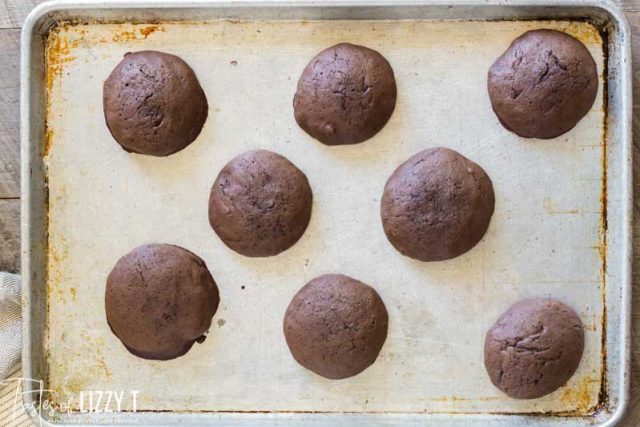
x,y
12,14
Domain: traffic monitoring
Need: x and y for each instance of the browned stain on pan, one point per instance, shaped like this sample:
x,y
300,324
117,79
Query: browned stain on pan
x,y
57,53
580,396
591,34
48,140
135,33
603,396
146,31
56,253
588,35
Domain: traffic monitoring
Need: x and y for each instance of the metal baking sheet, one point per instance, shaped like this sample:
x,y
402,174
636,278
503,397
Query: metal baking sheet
x,y
560,229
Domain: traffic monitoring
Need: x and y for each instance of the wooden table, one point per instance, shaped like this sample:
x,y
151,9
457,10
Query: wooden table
x,y
12,14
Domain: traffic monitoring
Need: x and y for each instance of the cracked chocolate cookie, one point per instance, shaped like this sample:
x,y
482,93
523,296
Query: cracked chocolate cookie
x,y
534,348
345,95
260,204
153,103
335,326
159,300
543,84
437,205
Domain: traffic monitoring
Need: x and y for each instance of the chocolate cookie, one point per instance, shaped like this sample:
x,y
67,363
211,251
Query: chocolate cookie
x,y
153,103
436,205
335,326
345,95
160,300
260,204
534,348
543,84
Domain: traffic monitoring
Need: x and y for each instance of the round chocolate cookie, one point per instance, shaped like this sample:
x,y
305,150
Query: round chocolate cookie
x,y
436,205
153,103
534,348
335,326
345,95
160,300
543,84
260,204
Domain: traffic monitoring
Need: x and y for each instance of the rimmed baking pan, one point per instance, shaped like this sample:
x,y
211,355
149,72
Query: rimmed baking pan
x,y
561,227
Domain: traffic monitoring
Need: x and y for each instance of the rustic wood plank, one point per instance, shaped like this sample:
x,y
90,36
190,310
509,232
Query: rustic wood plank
x,y
631,5
10,235
635,51
632,11
9,114
13,12
632,418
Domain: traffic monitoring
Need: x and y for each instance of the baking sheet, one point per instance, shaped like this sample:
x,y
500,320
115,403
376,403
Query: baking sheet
x,y
544,239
